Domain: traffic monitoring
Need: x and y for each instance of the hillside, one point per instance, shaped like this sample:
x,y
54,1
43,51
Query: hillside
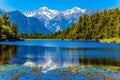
x,y
25,24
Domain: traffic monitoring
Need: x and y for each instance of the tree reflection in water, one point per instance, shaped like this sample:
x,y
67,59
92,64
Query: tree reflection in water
x,y
7,53
100,61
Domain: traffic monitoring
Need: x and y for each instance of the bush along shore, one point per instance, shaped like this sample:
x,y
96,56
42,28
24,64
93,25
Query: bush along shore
x,y
112,40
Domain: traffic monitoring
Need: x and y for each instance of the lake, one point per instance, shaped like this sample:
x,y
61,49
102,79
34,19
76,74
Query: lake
x,y
58,54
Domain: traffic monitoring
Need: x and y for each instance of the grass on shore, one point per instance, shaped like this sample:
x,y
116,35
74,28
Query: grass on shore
x,y
27,39
111,40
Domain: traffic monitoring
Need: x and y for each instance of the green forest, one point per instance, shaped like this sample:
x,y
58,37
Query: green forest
x,y
8,32
100,25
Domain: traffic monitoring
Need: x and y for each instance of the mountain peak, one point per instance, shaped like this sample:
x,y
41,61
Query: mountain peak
x,y
43,8
74,10
78,9
56,20
50,12
51,19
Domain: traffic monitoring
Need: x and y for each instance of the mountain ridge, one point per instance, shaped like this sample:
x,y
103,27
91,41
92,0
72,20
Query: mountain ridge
x,y
56,20
47,20
23,22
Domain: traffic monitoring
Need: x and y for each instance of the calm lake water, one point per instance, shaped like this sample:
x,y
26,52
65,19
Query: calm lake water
x,y
59,53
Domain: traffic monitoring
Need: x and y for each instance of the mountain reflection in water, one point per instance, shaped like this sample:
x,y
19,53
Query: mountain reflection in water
x,y
59,57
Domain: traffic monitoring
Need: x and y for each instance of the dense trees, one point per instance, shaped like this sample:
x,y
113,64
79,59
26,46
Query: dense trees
x,y
31,35
100,25
8,32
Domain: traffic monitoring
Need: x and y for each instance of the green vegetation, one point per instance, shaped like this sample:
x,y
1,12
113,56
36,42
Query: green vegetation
x,y
7,32
31,36
98,26
111,40
103,26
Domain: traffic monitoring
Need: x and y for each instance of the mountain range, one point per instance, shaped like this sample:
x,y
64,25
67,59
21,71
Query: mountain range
x,y
45,20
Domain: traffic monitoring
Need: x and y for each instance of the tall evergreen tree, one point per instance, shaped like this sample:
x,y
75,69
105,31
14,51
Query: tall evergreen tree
x,y
5,20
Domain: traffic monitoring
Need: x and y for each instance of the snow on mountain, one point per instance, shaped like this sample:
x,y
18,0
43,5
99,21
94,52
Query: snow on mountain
x,y
30,14
48,12
74,11
56,20
43,11
45,20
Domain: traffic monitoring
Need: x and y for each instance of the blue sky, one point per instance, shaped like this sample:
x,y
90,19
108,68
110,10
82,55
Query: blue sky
x,y
28,5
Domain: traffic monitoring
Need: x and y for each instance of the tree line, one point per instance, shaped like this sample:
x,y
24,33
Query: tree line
x,y
100,25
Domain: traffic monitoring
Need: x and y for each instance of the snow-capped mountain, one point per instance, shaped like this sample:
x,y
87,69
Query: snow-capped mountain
x,y
56,20
45,20
43,11
44,15
74,11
